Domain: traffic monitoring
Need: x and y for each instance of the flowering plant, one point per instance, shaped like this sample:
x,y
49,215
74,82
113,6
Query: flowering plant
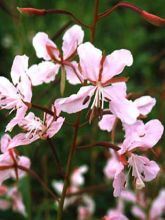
x,y
99,97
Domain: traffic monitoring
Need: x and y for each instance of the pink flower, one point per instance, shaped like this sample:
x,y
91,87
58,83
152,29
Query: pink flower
x,y
35,129
158,206
17,201
115,215
142,135
138,212
86,210
143,169
9,161
100,71
46,49
13,96
144,105
77,178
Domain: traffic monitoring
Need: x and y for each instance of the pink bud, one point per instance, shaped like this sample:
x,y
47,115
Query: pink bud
x,y
32,11
153,19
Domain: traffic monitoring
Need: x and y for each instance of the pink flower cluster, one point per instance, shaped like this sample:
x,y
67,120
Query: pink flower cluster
x,y
141,206
100,89
12,198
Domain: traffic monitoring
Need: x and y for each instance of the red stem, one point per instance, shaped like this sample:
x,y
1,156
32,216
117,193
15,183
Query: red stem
x,y
99,144
42,12
151,18
95,19
68,168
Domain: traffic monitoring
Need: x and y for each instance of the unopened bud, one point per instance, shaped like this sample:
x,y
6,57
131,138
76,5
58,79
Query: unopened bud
x,y
153,19
32,11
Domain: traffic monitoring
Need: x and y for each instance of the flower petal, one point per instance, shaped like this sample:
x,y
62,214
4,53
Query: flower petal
x,y
119,184
71,75
143,135
115,91
90,58
7,90
40,41
115,63
143,169
44,72
22,139
5,140
138,212
71,39
19,67
125,110
54,126
25,88
145,104
107,122
76,102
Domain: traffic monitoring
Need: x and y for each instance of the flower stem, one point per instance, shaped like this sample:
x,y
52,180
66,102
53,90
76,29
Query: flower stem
x,y
57,160
95,19
35,175
68,168
104,144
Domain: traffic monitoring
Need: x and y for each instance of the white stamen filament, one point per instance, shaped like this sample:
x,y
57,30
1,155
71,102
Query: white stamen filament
x,y
99,96
34,127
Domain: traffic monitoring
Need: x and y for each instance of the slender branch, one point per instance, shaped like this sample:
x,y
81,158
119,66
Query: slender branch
x,y
35,175
41,108
42,12
120,4
95,19
57,161
84,124
113,133
151,18
7,10
68,168
99,144
90,189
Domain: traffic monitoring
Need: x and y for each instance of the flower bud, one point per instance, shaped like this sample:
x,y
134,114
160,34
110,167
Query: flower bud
x,y
153,19
32,11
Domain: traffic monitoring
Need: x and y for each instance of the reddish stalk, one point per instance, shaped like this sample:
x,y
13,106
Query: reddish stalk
x,y
42,12
41,108
68,168
95,19
57,160
99,144
151,18
90,189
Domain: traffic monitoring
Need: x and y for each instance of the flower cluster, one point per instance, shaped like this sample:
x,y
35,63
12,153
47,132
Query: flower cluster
x,y
141,206
101,91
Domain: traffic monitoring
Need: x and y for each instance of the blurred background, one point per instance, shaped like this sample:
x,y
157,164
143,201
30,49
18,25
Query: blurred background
x,y
123,29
